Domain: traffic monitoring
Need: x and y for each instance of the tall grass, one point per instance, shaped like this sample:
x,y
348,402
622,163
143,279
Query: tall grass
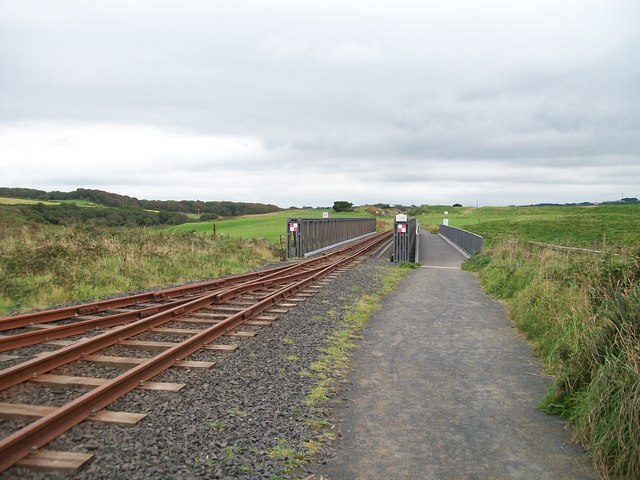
x,y
582,316
42,267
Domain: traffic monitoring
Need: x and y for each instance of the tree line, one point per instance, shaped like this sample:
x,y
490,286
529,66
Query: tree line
x,y
212,210
71,214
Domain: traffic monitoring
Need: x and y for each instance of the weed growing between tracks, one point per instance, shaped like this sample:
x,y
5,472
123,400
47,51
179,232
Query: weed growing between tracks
x,y
43,267
582,315
330,369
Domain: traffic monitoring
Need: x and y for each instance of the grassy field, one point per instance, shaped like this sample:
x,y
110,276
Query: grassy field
x,y
269,226
595,227
24,201
79,202
590,227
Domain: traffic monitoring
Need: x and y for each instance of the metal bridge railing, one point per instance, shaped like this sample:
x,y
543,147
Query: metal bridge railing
x,y
469,243
308,235
405,233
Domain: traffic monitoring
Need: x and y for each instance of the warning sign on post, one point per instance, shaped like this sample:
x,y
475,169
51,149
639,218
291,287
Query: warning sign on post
x,y
402,228
293,227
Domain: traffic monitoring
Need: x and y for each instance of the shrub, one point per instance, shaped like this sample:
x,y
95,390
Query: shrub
x,y
342,206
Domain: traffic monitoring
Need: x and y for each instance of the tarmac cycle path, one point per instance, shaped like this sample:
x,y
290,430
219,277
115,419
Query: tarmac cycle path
x,y
443,387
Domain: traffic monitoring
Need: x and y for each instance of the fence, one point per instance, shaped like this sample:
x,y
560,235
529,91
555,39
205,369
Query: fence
x,y
563,248
306,236
469,243
405,232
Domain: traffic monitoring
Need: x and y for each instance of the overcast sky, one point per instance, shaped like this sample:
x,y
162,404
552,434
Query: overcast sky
x,y
303,103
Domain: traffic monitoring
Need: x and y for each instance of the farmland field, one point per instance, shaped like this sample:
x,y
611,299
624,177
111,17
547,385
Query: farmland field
x,y
79,202
269,226
594,226
24,201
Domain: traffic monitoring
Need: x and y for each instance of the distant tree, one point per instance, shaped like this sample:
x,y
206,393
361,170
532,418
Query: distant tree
x,y
421,210
456,205
342,206
107,199
23,193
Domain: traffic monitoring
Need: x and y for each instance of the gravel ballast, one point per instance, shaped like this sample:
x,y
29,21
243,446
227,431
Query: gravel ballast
x,y
228,421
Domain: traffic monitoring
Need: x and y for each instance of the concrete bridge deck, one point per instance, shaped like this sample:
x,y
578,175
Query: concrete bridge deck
x,y
444,388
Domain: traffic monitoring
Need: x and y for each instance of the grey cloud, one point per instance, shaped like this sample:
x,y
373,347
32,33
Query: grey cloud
x,y
376,92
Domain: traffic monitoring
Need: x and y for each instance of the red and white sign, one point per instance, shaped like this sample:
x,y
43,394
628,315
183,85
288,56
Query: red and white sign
x,y
293,227
402,228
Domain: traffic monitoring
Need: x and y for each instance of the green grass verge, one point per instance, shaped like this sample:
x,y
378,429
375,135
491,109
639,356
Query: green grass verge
x,y
43,267
581,314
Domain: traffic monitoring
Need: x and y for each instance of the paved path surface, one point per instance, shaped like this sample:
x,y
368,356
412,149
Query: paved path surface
x,y
444,388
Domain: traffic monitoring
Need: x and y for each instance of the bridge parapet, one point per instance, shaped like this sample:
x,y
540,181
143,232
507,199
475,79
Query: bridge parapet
x,y
467,242
309,235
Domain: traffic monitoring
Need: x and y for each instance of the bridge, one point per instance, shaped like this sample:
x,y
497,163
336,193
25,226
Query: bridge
x,y
310,236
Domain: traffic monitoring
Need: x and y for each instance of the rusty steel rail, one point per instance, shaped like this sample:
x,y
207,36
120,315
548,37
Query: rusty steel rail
x,y
10,342
19,444
19,340
63,313
24,371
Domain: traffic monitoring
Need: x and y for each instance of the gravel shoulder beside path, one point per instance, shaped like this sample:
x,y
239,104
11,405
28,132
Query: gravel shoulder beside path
x,y
444,388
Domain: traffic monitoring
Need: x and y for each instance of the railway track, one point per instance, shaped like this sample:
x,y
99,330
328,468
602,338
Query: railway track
x,y
199,315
